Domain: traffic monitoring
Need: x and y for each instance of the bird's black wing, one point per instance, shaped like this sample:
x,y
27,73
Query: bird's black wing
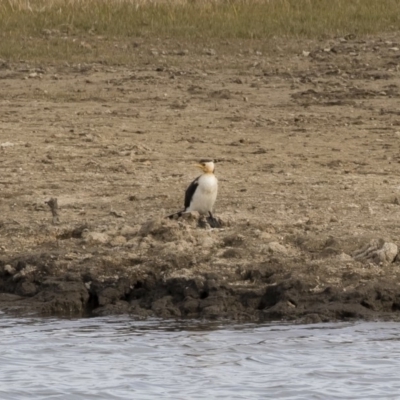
x,y
190,192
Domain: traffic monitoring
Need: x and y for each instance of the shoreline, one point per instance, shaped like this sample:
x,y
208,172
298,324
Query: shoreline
x,y
56,283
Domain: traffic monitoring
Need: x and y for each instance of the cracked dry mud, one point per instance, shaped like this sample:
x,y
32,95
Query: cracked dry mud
x,y
307,151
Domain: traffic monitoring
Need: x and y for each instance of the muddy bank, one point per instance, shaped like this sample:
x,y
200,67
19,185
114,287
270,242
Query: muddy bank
x,y
176,269
306,140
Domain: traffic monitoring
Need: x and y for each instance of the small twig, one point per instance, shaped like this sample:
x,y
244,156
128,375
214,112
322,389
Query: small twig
x,y
53,204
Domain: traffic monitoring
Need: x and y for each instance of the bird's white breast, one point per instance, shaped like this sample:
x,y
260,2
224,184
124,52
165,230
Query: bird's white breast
x,y
205,195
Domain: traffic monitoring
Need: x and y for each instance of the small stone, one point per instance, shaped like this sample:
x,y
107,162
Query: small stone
x,y
265,236
388,253
97,237
118,241
26,289
6,144
276,248
108,295
28,270
209,52
129,231
71,256
378,251
118,214
207,242
190,305
9,269
344,257
396,201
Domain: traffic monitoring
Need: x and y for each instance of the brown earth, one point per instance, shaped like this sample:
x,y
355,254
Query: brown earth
x,y
307,151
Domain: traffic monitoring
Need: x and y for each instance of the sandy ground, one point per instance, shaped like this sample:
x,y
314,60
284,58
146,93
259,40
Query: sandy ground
x,y
307,152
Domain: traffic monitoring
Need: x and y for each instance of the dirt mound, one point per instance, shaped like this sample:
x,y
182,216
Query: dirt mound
x,y
175,269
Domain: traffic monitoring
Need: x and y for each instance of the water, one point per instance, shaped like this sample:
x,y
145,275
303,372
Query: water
x,y
119,358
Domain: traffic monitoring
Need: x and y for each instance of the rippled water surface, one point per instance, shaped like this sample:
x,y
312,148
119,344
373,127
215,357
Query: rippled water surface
x,y
120,358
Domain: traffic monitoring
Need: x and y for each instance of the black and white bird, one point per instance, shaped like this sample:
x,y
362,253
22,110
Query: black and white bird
x,y
201,194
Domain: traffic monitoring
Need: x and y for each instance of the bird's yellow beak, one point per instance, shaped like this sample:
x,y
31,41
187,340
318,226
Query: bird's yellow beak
x,y
199,166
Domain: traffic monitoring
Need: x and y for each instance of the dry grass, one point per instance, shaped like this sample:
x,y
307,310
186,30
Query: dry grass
x,y
25,24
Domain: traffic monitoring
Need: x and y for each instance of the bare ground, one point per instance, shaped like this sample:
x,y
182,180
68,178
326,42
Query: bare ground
x,y
307,151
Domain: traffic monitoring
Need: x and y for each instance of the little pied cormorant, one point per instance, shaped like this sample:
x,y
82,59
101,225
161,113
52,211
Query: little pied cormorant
x,y
201,194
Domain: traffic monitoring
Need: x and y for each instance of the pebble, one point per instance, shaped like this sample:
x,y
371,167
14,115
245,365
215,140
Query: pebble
x,y
118,241
387,253
6,144
276,248
97,237
209,52
9,269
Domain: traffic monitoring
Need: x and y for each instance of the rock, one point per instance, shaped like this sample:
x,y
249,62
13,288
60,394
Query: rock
x,y
387,253
34,75
232,253
118,241
378,251
182,52
132,243
129,231
96,237
26,289
6,144
119,307
190,306
109,295
62,298
164,308
221,94
212,312
209,52
9,269
8,297
276,248
278,311
118,214
234,240
344,257
27,270
206,242
265,236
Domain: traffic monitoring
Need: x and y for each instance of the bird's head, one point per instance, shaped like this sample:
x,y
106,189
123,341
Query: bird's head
x,y
207,166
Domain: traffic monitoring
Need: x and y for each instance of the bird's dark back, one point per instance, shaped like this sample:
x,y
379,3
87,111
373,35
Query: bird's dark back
x,y
190,191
